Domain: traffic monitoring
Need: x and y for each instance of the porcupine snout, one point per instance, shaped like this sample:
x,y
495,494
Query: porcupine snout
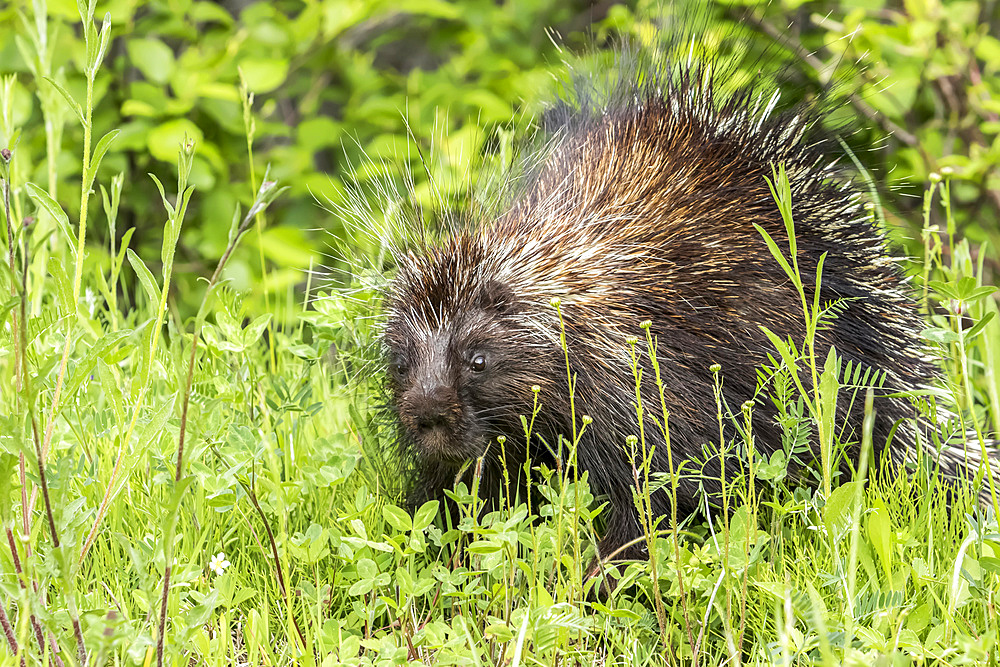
x,y
430,413
430,409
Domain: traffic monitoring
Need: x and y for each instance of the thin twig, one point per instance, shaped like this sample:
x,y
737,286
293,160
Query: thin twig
x,y
810,59
277,562
35,626
81,650
9,631
264,196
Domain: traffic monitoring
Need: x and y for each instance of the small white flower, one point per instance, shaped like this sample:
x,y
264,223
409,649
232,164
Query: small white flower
x,y
218,564
91,299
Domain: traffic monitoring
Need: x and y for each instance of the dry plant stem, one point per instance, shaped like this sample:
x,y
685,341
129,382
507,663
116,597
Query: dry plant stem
x,y
81,651
163,615
35,626
9,631
277,562
45,487
194,345
15,329
751,453
179,471
16,335
21,339
74,617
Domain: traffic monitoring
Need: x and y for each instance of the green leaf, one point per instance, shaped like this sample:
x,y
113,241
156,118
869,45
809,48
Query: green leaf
x,y
8,463
423,517
944,289
64,288
367,569
178,492
126,237
980,293
152,430
435,8
360,587
978,327
262,75
145,277
939,335
163,196
164,141
397,518
839,507
77,109
101,46
880,534
253,331
102,148
817,291
153,58
86,366
829,386
785,349
112,390
776,253
50,206
8,306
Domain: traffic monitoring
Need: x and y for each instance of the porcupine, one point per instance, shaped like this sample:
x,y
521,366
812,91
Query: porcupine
x,y
642,207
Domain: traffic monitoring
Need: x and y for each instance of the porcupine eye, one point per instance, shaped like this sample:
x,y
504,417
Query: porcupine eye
x,y
478,364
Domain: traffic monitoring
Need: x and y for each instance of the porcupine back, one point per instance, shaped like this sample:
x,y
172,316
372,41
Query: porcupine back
x,y
642,208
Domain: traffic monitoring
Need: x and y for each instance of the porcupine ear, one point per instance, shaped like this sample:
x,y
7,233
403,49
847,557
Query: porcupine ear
x,y
497,297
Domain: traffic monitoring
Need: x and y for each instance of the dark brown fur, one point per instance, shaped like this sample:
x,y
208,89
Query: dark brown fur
x,y
641,209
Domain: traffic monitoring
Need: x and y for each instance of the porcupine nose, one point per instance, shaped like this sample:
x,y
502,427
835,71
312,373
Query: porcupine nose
x,y
432,407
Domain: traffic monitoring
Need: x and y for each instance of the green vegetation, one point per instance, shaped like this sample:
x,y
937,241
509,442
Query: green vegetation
x,y
167,396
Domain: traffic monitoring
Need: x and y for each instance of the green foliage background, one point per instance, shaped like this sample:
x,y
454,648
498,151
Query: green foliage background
x,y
112,350
342,85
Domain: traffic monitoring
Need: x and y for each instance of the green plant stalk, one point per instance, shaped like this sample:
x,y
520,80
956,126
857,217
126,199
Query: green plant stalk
x,y
781,192
571,382
78,272
751,456
852,563
642,494
674,479
249,128
527,472
41,448
17,330
985,467
265,195
15,334
29,399
926,236
176,218
717,391
52,118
